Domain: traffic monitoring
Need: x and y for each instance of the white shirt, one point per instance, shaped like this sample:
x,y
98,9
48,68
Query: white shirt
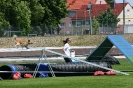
x,y
67,49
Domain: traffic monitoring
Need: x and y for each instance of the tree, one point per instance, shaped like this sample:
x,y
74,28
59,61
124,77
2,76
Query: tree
x,y
109,1
3,23
37,12
26,13
47,12
107,18
20,15
95,26
55,10
17,13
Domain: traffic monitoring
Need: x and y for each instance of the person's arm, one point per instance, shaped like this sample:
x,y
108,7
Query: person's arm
x,y
63,50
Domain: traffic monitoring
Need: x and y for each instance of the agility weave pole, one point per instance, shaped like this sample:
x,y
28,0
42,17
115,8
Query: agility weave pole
x,y
85,62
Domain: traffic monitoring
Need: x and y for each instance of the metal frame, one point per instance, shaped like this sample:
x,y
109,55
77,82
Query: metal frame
x,y
43,56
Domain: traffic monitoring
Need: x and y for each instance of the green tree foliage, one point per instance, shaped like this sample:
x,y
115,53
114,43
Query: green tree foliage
x,y
17,13
4,24
109,1
54,11
26,13
107,18
20,15
37,12
95,26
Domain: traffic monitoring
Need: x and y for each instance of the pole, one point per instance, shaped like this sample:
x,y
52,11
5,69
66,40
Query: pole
x,y
90,21
76,23
123,16
71,27
90,13
85,19
64,30
85,22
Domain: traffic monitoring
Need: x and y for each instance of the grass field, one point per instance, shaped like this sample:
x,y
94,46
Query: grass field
x,y
117,81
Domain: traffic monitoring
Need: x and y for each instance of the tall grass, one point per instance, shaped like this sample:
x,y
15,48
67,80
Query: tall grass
x,y
57,41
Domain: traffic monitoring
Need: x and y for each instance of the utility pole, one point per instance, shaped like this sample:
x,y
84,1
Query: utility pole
x,y
90,13
85,21
76,22
123,16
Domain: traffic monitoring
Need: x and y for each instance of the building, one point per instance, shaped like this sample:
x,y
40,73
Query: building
x,y
74,6
81,20
128,27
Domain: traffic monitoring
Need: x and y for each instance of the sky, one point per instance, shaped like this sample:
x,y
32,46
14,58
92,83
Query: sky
x,y
121,1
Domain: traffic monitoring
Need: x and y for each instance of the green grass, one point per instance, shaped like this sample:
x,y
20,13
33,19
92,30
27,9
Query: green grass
x,y
125,65
117,81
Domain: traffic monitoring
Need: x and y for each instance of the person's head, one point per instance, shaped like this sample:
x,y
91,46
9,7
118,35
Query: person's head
x,y
67,40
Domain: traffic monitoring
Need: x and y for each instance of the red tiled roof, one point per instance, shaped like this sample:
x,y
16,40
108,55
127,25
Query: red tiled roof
x,y
76,4
82,13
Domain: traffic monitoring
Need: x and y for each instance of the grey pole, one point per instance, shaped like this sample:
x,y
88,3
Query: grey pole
x,y
91,21
123,16
76,23
85,21
90,13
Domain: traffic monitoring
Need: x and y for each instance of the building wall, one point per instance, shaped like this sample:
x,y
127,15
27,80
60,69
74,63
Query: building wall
x,y
128,19
128,15
128,28
100,2
66,29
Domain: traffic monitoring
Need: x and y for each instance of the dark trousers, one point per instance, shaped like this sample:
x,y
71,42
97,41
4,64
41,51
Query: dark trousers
x,y
67,59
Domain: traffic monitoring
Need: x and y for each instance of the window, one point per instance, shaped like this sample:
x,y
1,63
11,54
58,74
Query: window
x,y
62,25
71,13
78,23
70,24
87,22
129,22
128,12
100,2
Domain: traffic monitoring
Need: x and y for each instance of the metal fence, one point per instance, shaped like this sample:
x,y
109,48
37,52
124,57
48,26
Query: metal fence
x,y
83,29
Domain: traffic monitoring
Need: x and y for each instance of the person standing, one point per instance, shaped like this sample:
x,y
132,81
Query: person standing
x,y
67,49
